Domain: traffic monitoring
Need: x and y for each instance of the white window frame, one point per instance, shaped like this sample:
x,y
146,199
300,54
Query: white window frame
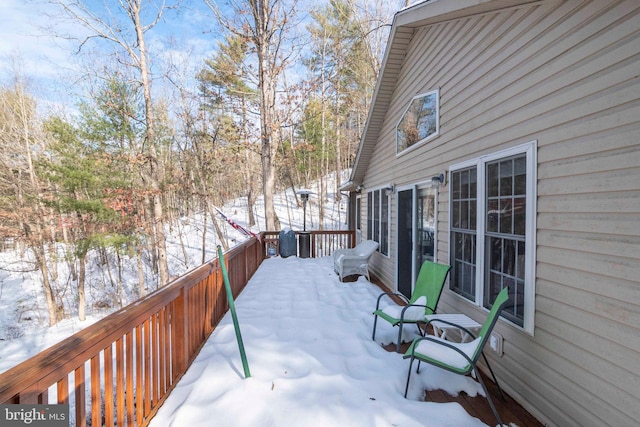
x,y
433,135
426,186
530,150
381,192
358,218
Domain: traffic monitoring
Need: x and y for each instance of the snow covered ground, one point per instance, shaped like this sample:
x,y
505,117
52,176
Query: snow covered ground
x,y
308,343
24,329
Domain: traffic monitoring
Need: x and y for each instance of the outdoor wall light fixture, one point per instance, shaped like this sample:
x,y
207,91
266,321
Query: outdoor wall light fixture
x,y
437,180
359,188
390,189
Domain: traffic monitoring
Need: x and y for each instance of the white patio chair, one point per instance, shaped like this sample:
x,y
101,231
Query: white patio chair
x,y
355,260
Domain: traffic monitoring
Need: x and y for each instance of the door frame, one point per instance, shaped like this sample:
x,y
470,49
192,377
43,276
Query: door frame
x,y
414,188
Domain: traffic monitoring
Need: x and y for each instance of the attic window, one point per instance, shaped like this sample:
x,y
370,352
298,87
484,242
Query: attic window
x,y
419,122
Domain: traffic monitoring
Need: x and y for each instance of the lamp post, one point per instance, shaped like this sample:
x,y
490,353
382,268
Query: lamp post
x,y
304,239
304,196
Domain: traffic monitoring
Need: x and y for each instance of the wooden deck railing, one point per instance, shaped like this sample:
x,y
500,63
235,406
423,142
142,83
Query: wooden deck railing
x,y
119,370
323,242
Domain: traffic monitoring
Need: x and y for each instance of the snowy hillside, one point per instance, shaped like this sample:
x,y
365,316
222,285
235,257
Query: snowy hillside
x,y
24,329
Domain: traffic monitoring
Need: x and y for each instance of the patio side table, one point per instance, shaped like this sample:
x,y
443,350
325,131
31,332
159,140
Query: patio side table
x,y
441,329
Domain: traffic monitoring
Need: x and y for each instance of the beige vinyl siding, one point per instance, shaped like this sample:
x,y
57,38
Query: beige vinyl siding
x,y
565,74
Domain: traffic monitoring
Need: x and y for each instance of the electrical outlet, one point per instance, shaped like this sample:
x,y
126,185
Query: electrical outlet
x,y
495,343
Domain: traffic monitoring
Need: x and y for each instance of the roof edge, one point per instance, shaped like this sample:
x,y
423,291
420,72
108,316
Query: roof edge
x,y
433,11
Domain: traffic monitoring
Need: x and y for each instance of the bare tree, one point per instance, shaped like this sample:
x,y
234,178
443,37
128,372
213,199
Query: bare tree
x,y
129,35
23,211
191,130
266,24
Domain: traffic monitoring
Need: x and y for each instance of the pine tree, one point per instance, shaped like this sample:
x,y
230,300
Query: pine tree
x,y
265,25
229,98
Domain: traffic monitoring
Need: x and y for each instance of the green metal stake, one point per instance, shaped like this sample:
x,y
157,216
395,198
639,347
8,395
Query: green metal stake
x,y
232,308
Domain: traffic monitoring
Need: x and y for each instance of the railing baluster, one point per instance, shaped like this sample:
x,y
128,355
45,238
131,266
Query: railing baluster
x,y
161,351
155,348
120,382
129,350
147,367
79,394
96,399
168,346
139,376
108,386
63,390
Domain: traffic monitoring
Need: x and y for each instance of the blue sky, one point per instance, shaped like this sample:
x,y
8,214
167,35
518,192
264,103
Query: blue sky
x,y
51,65
52,68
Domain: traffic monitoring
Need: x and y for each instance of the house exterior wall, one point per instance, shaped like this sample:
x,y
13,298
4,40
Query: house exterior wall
x,y
566,75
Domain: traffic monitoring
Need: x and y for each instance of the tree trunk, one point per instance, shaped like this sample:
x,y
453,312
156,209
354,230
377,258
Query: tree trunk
x,y
82,260
221,238
268,186
39,244
338,149
156,175
323,138
248,166
182,246
204,236
251,201
267,75
52,306
151,232
141,281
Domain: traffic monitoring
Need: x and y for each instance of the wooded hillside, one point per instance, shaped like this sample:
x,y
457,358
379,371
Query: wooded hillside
x,y
281,103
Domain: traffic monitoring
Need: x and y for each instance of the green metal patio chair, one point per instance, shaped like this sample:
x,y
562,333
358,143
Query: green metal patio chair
x,y
460,358
426,293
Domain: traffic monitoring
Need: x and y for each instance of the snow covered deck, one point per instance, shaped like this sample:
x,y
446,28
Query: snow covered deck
x,y
171,358
308,342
